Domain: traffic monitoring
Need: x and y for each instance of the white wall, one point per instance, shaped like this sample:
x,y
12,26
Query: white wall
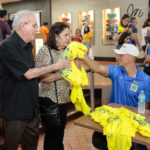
x,y
75,6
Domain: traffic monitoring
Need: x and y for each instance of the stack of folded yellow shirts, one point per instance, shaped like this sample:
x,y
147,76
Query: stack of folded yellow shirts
x,y
119,125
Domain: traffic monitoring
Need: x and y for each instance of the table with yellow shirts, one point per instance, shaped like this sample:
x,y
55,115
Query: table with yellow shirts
x,y
87,122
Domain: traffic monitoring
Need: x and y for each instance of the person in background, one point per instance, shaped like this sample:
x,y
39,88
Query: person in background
x,y
134,31
127,81
57,41
146,54
19,84
5,28
88,37
145,33
147,50
125,38
9,21
78,36
122,27
44,29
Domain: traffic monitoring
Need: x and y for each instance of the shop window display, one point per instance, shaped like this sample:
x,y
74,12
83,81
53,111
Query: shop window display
x,y
111,18
65,17
86,18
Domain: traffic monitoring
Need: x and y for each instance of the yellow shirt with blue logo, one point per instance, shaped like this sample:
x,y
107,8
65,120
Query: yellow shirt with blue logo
x,y
119,125
77,77
125,90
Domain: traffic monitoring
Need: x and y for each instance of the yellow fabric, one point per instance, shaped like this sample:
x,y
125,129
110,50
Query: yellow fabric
x,y
139,56
87,37
78,100
120,28
119,125
76,76
44,30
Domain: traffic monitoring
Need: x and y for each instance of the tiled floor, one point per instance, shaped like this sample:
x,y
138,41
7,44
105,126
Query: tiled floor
x,y
76,138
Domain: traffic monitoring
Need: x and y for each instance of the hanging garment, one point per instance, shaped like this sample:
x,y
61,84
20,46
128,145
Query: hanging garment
x,y
76,76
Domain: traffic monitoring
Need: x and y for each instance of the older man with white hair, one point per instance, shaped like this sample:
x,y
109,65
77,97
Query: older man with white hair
x,y
127,81
19,84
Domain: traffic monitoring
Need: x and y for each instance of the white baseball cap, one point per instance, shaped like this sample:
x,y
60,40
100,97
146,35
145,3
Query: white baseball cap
x,y
128,49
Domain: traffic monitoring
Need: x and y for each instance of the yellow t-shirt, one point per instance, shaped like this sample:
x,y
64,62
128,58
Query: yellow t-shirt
x,y
44,30
87,37
119,125
77,77
120,28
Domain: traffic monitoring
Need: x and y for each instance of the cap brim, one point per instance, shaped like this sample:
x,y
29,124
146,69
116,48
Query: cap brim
x,y
117,51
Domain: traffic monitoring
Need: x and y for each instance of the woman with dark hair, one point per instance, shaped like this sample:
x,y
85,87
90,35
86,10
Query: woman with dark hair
x,y
145,33
125,38
53,85
122,27
88,37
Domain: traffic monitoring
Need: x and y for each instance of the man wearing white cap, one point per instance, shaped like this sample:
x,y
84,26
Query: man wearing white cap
x,y
127,79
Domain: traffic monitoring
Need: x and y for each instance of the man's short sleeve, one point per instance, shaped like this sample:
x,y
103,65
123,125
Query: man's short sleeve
x,y
113,71
14,62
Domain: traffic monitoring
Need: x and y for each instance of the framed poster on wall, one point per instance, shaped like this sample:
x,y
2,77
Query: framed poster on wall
x,y
111,18
86,18
65,17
